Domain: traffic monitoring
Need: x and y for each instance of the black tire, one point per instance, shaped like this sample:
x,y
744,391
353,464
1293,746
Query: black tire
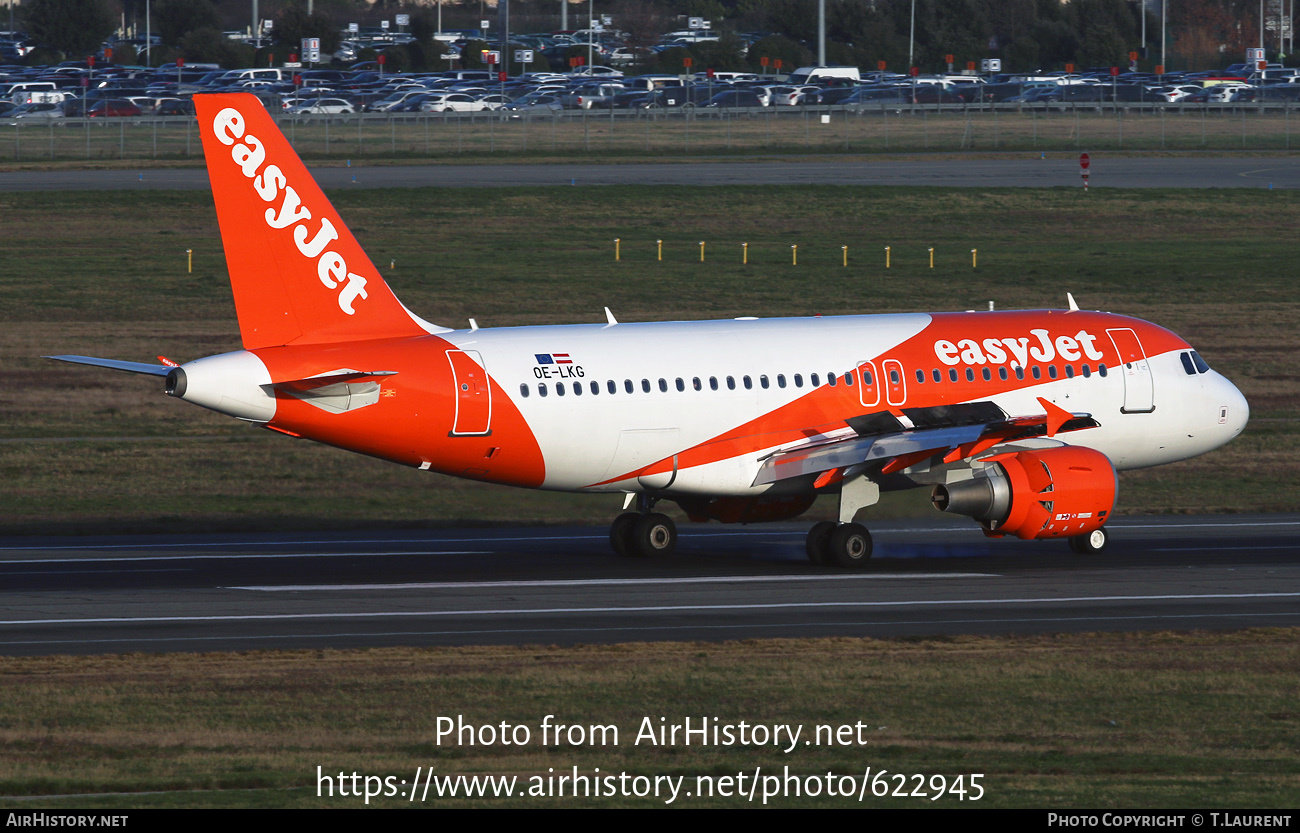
x,y
620,532
818,542
654,535
1092,543
849,546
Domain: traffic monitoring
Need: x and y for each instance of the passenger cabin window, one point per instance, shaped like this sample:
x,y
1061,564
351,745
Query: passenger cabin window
x,y
541,389
611,386
988,374
780,380
731,383
627,385
749,383
1002,373
645,385
936,375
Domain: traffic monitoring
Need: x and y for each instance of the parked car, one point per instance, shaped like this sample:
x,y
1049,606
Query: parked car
x,y
175,107
113,108
36,110
733,99
534,102
323,105
451,103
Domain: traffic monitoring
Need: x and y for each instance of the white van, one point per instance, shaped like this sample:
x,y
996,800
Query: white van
x,y
38,97
822,75
10,90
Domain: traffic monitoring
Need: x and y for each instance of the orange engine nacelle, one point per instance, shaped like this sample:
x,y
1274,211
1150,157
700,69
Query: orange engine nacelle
x,y
1049,493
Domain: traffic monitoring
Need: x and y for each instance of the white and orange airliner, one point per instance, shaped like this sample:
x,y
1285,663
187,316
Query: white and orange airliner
x,y
1019,420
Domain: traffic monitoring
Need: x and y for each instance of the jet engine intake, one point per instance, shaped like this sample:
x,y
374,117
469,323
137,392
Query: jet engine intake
x,y
1046,493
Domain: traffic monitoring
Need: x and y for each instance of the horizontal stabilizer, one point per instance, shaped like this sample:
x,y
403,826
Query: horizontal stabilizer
x,y
115,364
334,378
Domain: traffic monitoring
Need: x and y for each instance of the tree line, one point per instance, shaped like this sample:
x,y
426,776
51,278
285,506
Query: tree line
x,y
1025,34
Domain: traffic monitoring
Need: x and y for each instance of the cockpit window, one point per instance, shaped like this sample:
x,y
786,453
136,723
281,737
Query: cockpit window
x,y
1201,366
1187,363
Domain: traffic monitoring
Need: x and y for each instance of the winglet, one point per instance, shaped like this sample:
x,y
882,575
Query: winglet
x,y
1056,416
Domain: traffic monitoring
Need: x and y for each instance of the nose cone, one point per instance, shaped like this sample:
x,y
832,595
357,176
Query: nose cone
x,y
1234,410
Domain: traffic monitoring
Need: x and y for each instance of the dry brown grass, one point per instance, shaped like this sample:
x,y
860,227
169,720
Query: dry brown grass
x,y
1192,719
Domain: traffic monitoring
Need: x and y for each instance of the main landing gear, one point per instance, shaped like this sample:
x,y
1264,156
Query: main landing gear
x,y
845,544
644,533
839,545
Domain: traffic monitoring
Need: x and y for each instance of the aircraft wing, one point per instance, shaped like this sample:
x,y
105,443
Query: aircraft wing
x,y
896,441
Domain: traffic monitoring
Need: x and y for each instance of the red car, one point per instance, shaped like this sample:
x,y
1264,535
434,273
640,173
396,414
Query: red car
x,y
113,107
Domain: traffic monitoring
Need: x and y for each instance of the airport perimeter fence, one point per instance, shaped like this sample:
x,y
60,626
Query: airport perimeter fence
x,y
869,129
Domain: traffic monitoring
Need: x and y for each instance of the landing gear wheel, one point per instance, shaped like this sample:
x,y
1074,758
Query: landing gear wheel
x,y
849,546
818,539
653,534
620,532
1093,542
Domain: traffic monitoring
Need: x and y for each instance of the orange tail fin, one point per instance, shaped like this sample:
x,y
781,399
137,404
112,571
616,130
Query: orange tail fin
x,y
298,274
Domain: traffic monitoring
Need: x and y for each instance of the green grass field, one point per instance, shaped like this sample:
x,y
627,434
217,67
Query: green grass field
x,y
1092,721
1111,721
106,274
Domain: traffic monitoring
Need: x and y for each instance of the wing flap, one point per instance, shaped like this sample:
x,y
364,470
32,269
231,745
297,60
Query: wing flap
x,y
954,432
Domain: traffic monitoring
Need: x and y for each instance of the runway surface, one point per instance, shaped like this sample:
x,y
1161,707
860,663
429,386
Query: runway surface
x,y
1022,170
564,586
